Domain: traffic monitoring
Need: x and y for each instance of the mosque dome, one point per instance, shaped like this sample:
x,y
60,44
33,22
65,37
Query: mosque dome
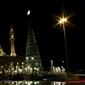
x,y
2,53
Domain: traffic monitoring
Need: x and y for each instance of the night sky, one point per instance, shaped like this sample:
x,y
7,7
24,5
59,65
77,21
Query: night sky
x,y
50,40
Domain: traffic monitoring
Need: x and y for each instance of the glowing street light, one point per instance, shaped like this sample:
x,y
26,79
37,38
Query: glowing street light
x,y
62,20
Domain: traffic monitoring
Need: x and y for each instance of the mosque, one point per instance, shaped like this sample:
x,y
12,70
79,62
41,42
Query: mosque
x,y
13,64
28,64
12,53
9,62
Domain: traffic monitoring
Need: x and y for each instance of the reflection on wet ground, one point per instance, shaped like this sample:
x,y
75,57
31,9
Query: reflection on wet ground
x,y
37,83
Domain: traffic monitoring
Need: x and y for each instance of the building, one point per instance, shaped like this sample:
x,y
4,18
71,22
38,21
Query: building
x,y
11,64
2,53
12,42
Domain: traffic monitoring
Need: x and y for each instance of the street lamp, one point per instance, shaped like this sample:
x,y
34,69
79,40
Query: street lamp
x,y
62,22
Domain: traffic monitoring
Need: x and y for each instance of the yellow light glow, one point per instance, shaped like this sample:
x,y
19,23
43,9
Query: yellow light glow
x,y
22,62
25,68
35,68
63,20
31,69
35,82
0,72
17,63
26,58
32,58
28,67
20,70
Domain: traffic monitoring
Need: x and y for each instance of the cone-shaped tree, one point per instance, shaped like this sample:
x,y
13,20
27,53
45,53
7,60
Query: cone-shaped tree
x,y
32,54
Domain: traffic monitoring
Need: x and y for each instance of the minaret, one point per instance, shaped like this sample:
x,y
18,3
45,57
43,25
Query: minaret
x,y
12,42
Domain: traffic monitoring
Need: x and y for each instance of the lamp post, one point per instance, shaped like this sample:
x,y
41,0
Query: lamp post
x,y
62,22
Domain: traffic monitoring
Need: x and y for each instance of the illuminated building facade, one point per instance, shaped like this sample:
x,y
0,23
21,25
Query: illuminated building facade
x,y
24,65
12,42
11,65
2,53
32,59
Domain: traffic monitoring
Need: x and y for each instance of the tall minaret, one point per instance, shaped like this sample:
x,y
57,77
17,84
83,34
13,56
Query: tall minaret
x,y
12,42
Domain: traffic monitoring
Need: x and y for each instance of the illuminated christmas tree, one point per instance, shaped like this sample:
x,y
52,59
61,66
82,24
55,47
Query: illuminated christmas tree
x,y
32,60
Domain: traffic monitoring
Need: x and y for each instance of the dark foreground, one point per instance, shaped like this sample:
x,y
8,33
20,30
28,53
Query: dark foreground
x,y
35,77
32,77
39,83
